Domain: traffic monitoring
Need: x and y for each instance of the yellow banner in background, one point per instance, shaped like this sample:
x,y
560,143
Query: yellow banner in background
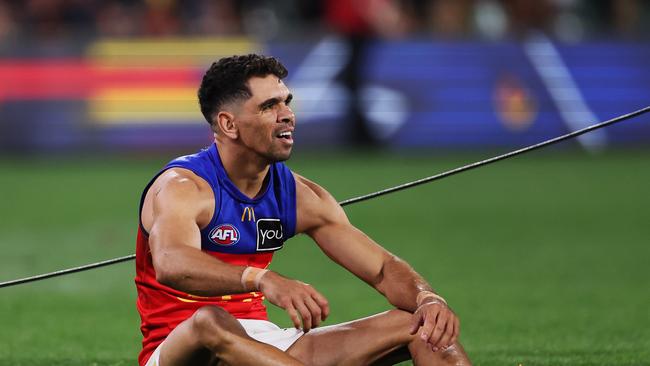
x,y
151,52
119,106
154,81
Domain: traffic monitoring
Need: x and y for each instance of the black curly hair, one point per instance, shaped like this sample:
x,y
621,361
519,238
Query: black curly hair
x,y
227,80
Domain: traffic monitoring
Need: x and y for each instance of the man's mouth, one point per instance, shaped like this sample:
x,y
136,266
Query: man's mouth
x,y
287,135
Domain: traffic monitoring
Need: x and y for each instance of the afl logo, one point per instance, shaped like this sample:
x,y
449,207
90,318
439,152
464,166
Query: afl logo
x,y
224,234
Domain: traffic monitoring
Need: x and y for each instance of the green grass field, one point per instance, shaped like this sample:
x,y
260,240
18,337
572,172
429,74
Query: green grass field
x,y
546,257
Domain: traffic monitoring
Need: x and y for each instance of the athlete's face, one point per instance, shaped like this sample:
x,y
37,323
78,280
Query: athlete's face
x,y
266,121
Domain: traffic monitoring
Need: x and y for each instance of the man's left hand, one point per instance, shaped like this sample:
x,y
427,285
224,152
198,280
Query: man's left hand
x,y
438,324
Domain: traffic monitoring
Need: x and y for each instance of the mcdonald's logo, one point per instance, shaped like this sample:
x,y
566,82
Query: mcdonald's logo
x,y
249,214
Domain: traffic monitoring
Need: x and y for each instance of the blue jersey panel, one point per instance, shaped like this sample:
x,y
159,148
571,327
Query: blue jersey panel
x,y
243,225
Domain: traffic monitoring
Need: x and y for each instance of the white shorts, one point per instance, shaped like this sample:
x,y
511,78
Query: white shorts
x,y
260,330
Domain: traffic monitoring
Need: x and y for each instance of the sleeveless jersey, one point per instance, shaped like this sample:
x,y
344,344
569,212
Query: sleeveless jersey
x,y
242,231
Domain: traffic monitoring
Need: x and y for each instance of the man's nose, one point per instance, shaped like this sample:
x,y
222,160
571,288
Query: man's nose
x,y
286,115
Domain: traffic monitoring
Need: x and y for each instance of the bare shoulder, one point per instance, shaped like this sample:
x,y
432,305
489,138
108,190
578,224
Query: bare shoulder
x,y
178,191
316,207
309,189
181,180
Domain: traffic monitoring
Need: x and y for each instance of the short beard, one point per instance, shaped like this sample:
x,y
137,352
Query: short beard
x,y
272,157
278,159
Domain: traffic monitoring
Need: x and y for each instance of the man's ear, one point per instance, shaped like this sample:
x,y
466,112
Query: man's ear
x,y
226,125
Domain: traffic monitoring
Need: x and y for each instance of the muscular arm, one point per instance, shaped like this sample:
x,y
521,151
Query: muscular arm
x,y
322,218
175,207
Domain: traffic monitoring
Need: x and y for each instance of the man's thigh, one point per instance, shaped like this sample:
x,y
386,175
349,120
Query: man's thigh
x,y
358,342
372,340
186,345
213,337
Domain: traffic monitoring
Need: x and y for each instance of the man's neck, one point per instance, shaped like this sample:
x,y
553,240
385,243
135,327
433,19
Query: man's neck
x,y
245,169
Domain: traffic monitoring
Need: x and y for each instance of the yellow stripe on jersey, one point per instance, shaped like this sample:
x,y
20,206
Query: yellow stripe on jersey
x,y
255,295
185,300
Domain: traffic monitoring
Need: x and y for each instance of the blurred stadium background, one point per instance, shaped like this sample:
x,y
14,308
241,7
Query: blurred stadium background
x,y
545,257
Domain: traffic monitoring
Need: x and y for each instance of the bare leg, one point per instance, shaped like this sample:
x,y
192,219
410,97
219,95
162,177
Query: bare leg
x,y
212,336
452,356
379,340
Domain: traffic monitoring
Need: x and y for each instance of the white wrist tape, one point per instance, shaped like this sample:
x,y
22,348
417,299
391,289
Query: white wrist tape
x,y
422,295
251,277
258,278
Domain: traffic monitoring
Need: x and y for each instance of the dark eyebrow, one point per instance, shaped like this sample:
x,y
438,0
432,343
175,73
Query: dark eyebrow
x,y
273,101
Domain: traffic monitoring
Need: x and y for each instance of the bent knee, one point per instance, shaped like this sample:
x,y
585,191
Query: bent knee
x,y
213,326
400,319
207,315
395,324
453,355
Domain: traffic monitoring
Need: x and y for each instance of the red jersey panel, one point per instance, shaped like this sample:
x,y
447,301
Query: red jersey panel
x,y
162,308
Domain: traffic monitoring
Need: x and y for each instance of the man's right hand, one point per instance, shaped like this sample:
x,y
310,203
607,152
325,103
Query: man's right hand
x,y
300,300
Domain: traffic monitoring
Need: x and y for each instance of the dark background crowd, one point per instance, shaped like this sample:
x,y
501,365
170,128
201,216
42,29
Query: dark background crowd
x,y
567,20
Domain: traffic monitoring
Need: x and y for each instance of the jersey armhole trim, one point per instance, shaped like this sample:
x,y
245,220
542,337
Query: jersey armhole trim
x,y
217,206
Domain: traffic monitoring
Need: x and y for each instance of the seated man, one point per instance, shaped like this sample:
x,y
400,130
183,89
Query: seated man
x,y
211,222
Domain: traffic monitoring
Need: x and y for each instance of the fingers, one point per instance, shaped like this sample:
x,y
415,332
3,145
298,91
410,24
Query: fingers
x,y
416,321
439,327
293,314
428,326
438,331
446,335
307,308
305,314
311,312
315,310
322,303
454,337
450,336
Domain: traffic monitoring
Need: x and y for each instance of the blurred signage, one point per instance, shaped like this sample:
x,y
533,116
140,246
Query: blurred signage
x,y
142,94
